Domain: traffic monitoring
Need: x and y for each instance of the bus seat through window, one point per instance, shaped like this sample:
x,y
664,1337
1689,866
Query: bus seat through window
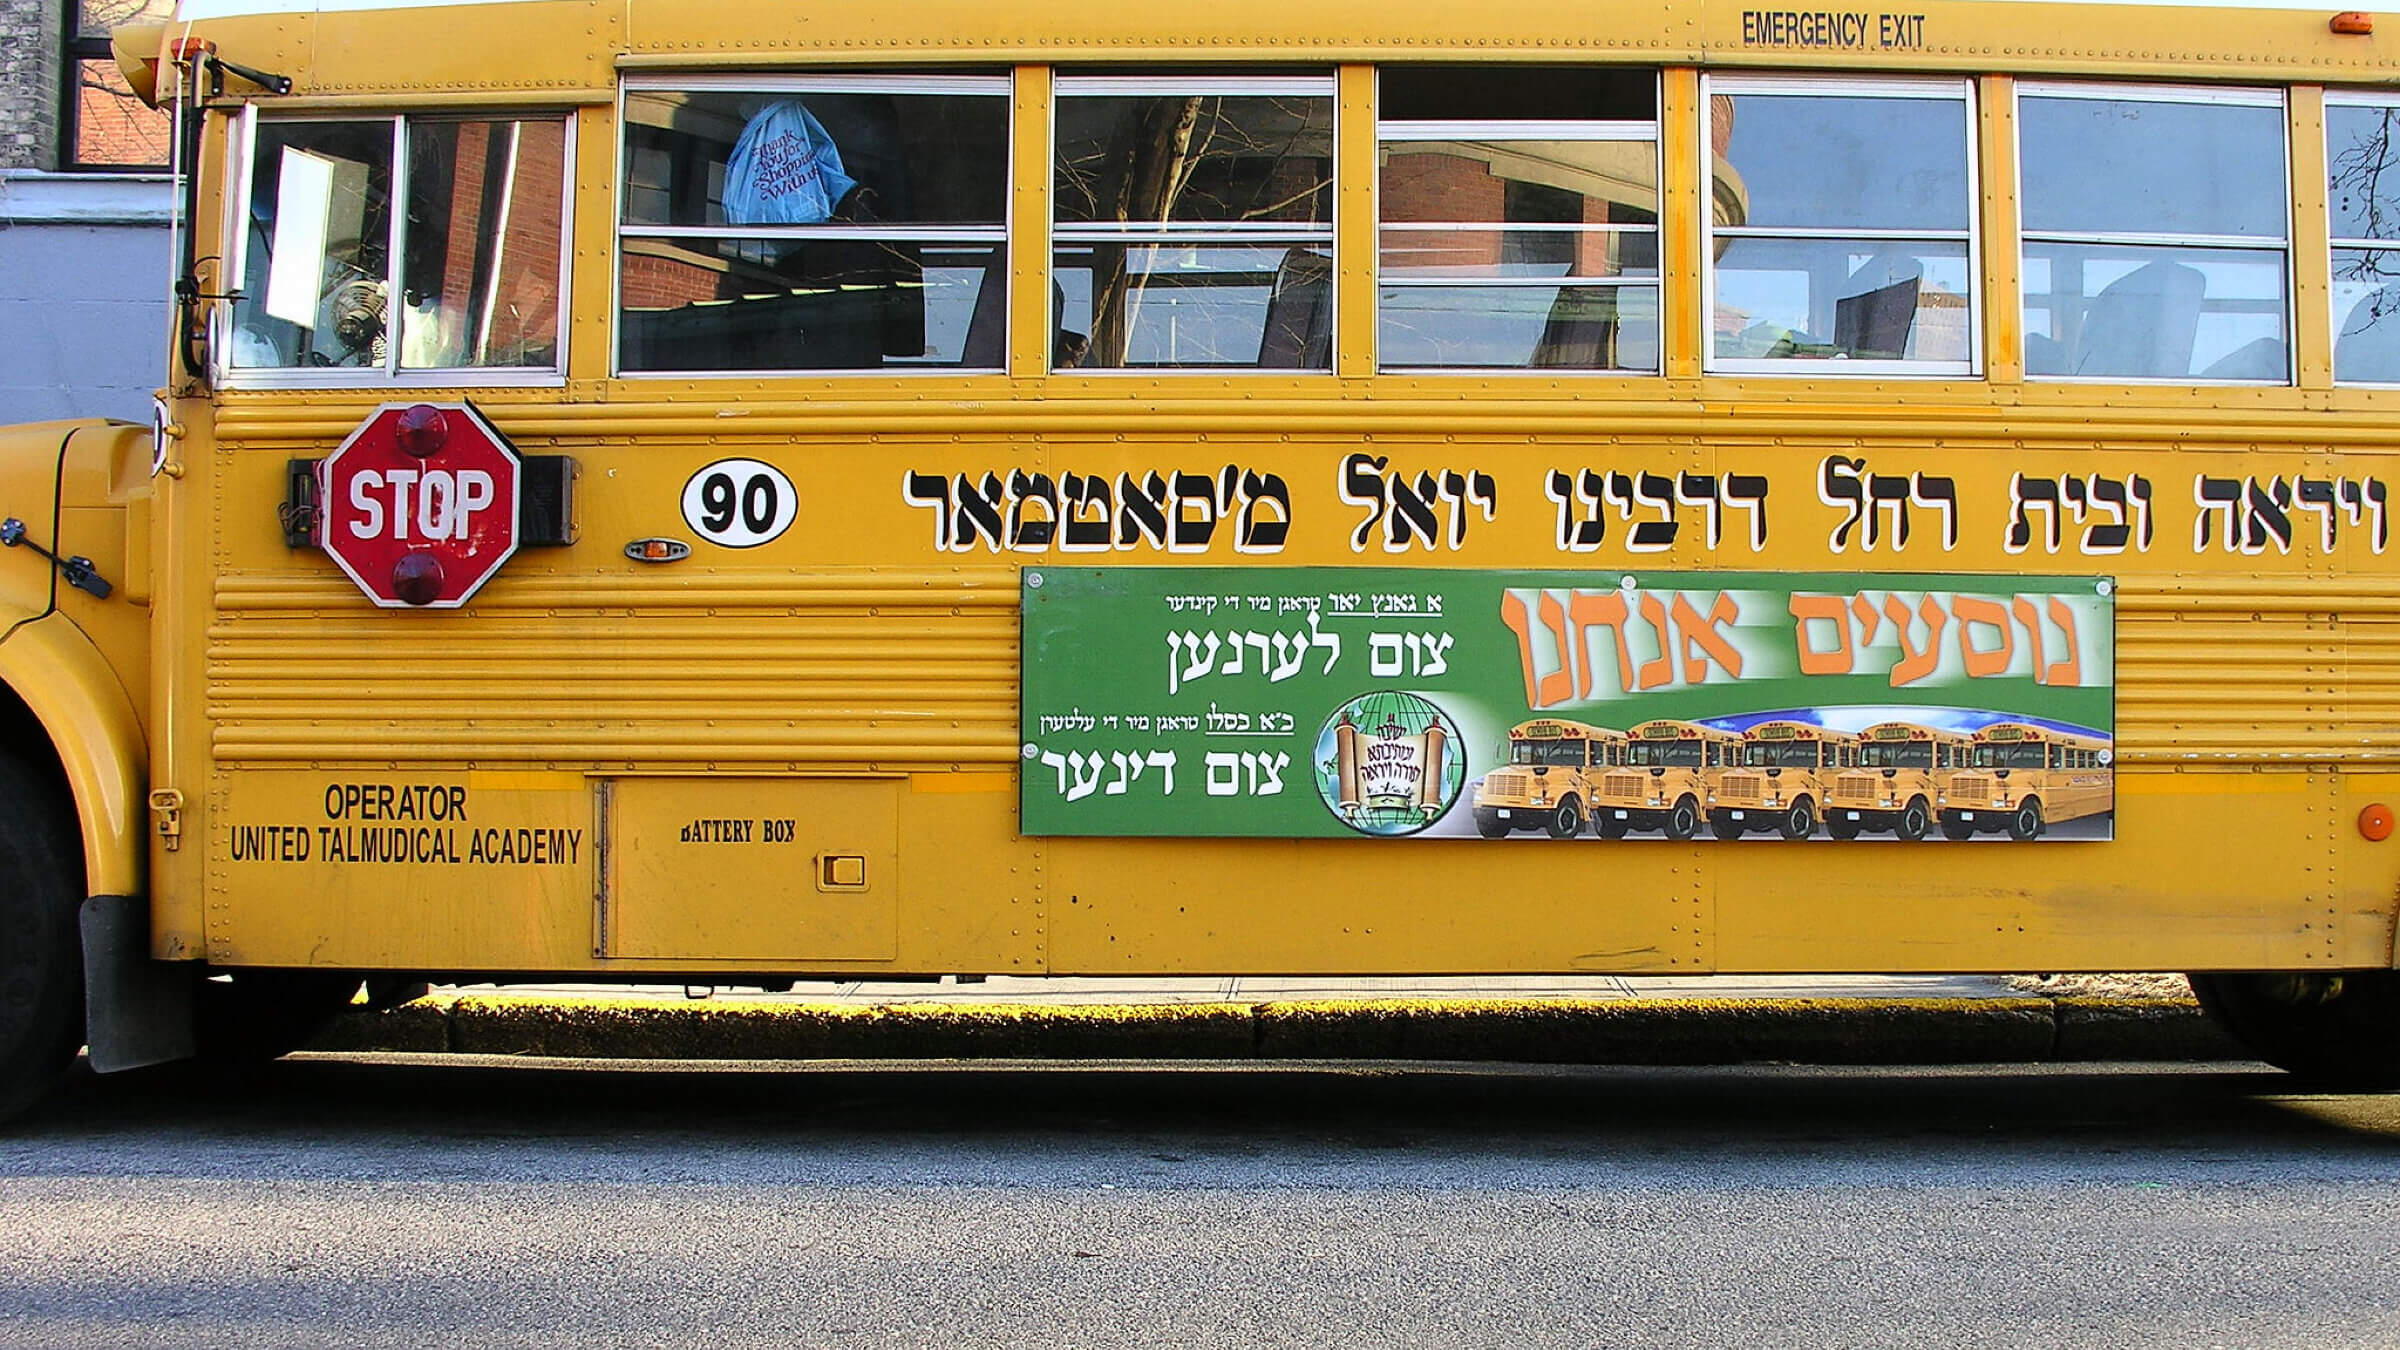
x,y
1299,333
2367,345
2144,323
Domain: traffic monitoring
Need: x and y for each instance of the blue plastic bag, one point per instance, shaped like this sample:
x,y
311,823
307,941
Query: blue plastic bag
x,y
785,170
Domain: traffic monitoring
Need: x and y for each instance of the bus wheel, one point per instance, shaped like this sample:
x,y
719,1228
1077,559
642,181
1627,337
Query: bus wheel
x,y
2027,821
1800,821
1683,819
41,952
1841,829
1916,819
1611,827
1566,820
2336,1030
1489,824
1957,830
1723,825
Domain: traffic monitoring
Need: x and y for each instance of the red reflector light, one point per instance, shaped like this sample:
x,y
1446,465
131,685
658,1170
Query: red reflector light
x,y
417,578
2353,23
422,431
2376,822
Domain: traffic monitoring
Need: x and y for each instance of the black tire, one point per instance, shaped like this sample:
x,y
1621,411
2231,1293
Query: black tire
x,y
2337,1031
1958,831
2026,821
1683,818
41,947
1841,829
1566,820
1915,820
1799,820
252,1016
1489,824
1723,825
1610,827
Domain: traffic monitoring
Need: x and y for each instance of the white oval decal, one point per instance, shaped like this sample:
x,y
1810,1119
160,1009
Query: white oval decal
x,y
739,503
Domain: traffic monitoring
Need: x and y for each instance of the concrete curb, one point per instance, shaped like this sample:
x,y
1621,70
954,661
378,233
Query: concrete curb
x,y
1687,1031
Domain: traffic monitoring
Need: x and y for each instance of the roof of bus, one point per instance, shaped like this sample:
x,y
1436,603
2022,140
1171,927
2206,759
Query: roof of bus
x,y
575,49
1917,731
1685,730
2030,731
1569,729
1791,730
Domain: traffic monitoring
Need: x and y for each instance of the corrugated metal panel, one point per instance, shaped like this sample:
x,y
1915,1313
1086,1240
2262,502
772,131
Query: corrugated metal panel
x,y
2288,670
807,672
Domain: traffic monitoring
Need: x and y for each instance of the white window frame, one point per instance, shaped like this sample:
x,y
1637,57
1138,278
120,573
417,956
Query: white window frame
x,y
2099,92
1401,132
1325,86
2352,98
999,87
1959,89
244,153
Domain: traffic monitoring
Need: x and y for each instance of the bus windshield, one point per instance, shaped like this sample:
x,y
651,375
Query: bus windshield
x,y
1569,753
1665,754
1897,755
2027,755
1779,755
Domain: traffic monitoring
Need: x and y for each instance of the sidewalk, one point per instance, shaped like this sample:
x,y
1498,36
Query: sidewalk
x,y
1601,1019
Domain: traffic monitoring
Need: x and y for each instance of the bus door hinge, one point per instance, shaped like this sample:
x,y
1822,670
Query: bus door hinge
x,y
167,805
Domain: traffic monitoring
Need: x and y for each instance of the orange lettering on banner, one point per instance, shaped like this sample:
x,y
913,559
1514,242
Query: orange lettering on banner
x,y
1702,634
1919,661
1974,610
1841,660
1586,608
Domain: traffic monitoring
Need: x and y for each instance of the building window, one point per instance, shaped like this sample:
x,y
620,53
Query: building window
x,y
1842,226
837,222
1518,218
334,285
2362,167
103,125
1194,222
2157,224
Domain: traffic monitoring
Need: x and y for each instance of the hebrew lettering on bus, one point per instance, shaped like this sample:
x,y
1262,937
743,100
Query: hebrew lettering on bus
x,y
1656,640
1430,510
1167,512
1278,656
2112,514
2250,515
1587,497
1877,507
1916,638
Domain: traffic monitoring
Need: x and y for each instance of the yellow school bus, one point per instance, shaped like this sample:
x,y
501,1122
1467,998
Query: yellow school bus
x,y
1903,770
653,490
2025,779
1670,767
1779,779
1553,768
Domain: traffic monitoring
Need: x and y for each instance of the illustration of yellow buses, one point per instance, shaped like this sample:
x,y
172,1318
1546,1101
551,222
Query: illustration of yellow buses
x,y
2024,778
1778,780
1664,783
1902,770
1553,765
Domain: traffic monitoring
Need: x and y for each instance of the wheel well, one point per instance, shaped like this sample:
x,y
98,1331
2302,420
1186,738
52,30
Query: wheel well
x,y
22,738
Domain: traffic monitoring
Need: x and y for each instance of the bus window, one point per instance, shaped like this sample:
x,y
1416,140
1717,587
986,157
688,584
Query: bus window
x,y
1569,753
841,222
1519,220
1897,755
478,247
1195,221
2155,233
1667,754
2366,221
2021,755
1843,225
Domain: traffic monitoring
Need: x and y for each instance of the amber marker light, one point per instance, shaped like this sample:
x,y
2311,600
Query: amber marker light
x,y
2353,23
2376,822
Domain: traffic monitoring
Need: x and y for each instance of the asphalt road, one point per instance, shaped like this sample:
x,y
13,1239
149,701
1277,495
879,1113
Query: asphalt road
x,y
343,1203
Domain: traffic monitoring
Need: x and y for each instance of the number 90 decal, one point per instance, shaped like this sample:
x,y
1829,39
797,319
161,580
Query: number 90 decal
x,y
739,503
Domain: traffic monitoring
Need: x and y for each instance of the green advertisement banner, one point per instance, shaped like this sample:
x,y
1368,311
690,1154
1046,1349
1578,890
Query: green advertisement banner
x,y
1388,702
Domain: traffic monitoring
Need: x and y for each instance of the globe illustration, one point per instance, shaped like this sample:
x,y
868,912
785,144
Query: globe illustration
x,y
1389,763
